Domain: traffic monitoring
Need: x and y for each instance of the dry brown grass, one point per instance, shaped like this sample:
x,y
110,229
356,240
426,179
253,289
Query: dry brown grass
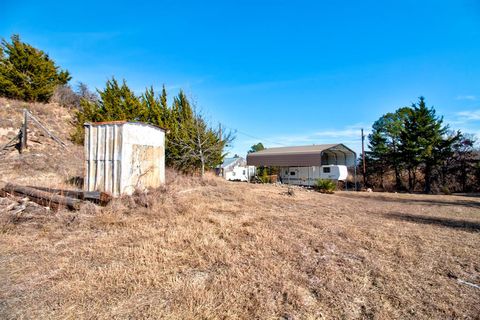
x,y
212,249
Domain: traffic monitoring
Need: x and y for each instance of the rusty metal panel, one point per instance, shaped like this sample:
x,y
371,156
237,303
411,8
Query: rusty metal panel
x,y
123,156
144,168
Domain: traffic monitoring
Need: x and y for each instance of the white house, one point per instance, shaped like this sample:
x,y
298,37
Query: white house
x,y
236,169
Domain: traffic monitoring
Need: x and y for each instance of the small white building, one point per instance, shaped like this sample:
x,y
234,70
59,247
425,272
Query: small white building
x,y
236,169
122,156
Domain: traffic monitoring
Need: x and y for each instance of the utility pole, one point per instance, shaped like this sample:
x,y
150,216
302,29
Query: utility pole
x,y
363,159
219,167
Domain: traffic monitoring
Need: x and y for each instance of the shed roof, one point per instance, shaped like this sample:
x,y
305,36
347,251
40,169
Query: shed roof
x,y
121,122
302,155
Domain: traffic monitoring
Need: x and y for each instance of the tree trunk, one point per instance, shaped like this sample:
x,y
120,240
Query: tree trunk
x,y
464,176
428,179
381,181
414,178
202,160
43,197
410,180
398,181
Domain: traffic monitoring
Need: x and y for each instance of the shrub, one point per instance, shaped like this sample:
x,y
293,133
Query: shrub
x,y
264,177
325,186
446,190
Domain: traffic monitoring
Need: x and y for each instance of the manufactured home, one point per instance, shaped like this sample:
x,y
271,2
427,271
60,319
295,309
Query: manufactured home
x,y
123,156
236,169
304,165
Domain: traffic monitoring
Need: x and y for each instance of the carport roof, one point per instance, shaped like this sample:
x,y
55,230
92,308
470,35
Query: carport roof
x,y
300,155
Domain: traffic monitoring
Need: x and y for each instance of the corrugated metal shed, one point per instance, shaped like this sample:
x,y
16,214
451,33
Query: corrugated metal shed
x,y
303,156
122,156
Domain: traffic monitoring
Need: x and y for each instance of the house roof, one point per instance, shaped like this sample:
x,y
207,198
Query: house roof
x,y
229,161
335,153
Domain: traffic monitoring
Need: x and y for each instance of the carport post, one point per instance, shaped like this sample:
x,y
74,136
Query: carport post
x,y
355,170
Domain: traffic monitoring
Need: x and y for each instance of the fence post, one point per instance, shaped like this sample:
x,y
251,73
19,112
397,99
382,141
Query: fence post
x,y
23,136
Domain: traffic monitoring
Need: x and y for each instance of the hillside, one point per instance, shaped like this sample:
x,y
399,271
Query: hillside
x,y
45,162
213,249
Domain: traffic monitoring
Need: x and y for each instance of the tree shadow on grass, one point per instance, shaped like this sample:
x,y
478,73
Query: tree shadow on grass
x,y
464,203
443,222
426,201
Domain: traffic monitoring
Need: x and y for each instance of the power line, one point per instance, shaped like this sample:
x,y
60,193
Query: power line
x,y
254,137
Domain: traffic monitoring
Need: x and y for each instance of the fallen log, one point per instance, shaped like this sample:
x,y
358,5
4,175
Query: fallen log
x,y
44,198
101,198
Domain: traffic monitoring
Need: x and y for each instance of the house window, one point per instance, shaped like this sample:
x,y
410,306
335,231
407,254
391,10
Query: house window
x,y
326,169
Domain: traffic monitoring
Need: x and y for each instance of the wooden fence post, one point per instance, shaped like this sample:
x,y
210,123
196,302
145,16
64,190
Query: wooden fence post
x,y
23,135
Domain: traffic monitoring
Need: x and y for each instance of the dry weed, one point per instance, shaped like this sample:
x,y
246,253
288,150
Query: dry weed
x,y
211,249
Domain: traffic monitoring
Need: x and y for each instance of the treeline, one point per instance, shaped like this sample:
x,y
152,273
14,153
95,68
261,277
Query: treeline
x,y
412,150
192,145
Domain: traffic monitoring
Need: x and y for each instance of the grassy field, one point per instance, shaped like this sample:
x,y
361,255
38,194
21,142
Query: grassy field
x,y
216,250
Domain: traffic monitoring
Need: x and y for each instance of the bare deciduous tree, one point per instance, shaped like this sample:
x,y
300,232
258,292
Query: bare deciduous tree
x,y
200,147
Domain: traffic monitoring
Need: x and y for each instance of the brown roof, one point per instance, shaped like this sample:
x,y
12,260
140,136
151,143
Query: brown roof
x,y
302,156
298,149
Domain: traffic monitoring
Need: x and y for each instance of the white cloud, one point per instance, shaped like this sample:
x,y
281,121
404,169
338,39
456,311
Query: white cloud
x,y
473,115
467,97
465,121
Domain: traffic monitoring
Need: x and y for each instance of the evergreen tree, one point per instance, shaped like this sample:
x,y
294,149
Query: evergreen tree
x,y
88,112
463,150
27,73
424,142
256,147
118,102
384,144
152,111
164,108
377,157
115,102
261,170
182,107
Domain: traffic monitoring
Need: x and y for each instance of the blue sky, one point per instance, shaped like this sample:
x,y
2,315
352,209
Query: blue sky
x,y
279,72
